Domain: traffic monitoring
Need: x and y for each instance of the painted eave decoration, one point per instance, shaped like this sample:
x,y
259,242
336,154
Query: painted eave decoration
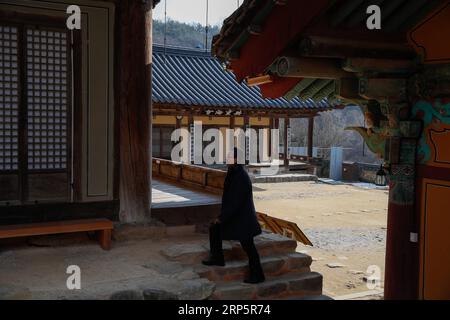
x,y
433,147
433,46
261,31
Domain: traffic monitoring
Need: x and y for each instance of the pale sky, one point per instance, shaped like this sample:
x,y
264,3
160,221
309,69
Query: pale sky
x,y
195,10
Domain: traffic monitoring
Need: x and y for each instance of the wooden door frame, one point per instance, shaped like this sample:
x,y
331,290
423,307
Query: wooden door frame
x,y
24,22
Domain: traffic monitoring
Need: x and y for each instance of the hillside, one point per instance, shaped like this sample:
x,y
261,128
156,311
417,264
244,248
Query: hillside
x,y
329,132
183,34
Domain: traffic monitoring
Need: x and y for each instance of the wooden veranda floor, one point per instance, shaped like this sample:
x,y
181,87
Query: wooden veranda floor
x,y
170,195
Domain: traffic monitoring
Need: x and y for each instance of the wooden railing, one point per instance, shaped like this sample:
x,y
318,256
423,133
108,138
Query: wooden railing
x,y
212,180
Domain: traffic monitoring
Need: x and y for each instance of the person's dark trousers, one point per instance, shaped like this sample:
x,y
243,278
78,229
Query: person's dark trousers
x,y
215,243
216,251
254,263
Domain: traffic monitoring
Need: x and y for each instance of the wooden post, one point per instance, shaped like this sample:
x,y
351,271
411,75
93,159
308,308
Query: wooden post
x,y
286,146
276,125
134,85
247,139
310,136
271,126
401,264
191,138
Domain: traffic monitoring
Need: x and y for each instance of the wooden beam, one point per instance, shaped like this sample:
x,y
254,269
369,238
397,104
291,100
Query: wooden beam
x,y
380,89
347,88
174,109
135,54
321,68
254,29
379,65
256,81
232,122
171,110
335,47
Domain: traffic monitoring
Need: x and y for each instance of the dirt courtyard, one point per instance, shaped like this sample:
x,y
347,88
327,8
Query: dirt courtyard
x,y
345,223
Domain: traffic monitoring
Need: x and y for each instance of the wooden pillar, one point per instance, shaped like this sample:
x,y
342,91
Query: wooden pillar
x,y
286,146
310,136
276,125
401,264
226,142
247,139
271,126
416,265
134,66
191,137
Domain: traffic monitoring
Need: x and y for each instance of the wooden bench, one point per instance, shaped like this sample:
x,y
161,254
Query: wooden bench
x,y
103,227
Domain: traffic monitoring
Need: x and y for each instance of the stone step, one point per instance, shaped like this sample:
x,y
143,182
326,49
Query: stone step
x,y
318,298
273,266
268,244
288,177
289,285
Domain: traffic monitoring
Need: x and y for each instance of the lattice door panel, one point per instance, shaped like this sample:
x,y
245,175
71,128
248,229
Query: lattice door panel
x,y
35,110
47,94
9,99
9,114
48,114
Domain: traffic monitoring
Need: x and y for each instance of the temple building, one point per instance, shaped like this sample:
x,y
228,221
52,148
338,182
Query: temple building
x,y
191,85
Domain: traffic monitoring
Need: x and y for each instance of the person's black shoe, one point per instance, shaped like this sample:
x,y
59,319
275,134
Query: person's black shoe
x,y
254,280
214,262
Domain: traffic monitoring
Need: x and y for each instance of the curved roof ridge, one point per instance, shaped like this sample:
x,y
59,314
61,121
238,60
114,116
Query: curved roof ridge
x,y
177,50
188,76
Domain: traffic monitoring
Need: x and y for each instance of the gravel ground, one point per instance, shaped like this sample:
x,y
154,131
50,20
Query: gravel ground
x,y
345,223
346,238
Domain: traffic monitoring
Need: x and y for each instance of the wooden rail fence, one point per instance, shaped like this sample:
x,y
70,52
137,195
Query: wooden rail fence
x,y
210,180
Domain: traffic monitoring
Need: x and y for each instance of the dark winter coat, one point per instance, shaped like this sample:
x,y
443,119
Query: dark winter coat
x,y
238,215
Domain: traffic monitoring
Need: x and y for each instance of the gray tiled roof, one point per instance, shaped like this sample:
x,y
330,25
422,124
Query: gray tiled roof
x,y
195,78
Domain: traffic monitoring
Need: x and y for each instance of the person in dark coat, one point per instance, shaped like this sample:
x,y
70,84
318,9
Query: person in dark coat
x,y
237,220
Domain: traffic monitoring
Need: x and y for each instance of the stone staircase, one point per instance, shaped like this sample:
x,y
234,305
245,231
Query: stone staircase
x,y
288,273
